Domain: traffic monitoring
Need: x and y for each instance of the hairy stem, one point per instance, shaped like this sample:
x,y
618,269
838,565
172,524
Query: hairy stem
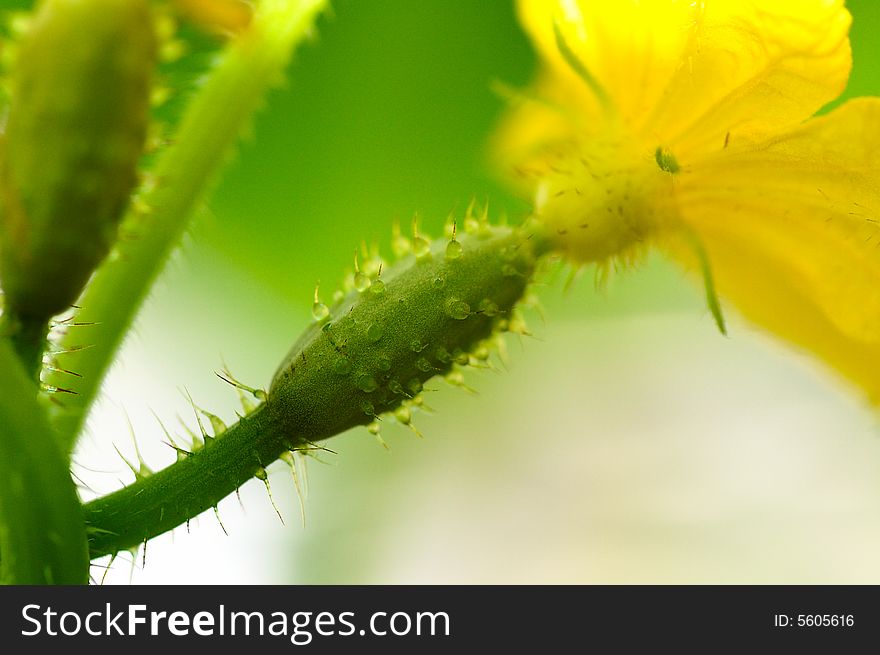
x,y
209,129
160,502
42,536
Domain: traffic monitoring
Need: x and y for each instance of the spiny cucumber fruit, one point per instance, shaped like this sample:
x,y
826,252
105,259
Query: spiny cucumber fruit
x,y
366,357
77,122
374,351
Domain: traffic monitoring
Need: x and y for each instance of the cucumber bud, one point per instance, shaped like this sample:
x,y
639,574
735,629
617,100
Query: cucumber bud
x,y
77,122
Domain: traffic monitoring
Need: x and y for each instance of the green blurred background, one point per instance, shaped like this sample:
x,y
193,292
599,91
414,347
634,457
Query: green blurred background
x,y
629,442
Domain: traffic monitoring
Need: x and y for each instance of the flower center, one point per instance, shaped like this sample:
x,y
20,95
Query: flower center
x,y
605,197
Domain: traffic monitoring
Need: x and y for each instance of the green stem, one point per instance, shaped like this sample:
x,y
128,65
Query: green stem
x,y
28,339
158,503
42,536
208,131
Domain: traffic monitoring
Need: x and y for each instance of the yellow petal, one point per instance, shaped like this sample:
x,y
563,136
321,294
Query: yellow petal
x,y
631,47
754,66
684,74
792,231
766,291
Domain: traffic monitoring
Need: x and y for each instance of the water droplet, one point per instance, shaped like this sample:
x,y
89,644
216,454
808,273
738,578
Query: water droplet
x,y
397,388
421,247
378,288
439,282
368,408
374,265
518,325
442,355
342,366
417,401
455,378
488,307
503,325
367,383
404,415
417,346
374,428
361,282
320,311
400,245
461,357
453,250
415,386
338,295
424,365
383,363
509,270
481,353
375,332
457,309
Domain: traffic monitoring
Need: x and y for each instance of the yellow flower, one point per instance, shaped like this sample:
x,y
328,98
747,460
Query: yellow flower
x,y
687,125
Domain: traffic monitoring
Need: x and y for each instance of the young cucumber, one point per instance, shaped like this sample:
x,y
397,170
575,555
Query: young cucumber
x,y
374,350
